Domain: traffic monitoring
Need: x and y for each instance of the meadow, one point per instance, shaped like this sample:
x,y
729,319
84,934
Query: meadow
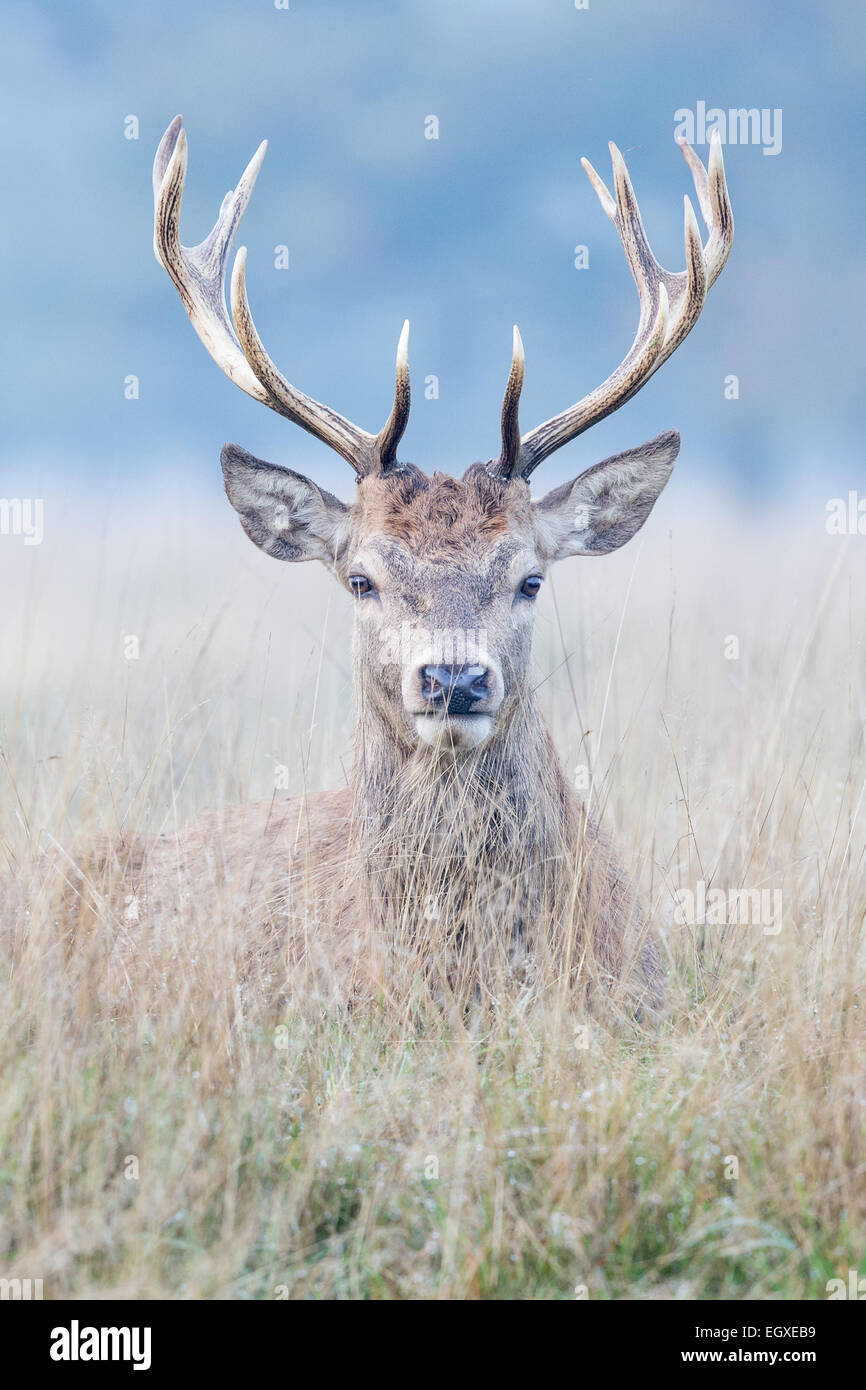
x,y
189,1127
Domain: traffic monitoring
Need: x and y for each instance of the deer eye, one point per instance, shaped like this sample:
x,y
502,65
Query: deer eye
x,y
530,586
360,585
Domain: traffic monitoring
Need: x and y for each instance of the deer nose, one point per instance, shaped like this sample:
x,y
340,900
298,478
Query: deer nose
x,y
455,689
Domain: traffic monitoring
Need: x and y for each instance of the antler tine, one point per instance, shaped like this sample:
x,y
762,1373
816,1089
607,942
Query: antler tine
x,y
714,203
356,446
198,273
508,459
670,304
393,429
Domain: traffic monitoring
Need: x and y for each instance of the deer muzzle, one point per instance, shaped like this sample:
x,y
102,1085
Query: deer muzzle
x,y
453,703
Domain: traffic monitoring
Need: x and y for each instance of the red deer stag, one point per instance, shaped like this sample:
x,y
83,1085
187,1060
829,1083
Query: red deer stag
x,y
458,819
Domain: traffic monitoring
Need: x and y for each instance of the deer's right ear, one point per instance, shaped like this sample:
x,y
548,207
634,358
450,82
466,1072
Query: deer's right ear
x,y
284,513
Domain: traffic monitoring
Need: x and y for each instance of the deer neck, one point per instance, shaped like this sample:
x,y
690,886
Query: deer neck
x,y
504,806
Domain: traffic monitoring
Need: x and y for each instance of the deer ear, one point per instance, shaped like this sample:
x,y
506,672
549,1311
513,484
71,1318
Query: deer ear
x,y
284,513
607,504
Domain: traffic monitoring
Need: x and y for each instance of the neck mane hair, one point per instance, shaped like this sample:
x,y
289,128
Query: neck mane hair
x,y
486,867
451,829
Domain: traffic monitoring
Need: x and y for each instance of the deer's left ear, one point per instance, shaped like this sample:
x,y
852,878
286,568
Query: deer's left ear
x,y
607,504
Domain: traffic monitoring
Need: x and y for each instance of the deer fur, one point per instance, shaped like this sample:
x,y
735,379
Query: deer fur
x,y
477,860
458,853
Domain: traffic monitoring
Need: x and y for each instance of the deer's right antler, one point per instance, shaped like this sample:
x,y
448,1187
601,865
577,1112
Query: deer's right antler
x,y
670,305
198,273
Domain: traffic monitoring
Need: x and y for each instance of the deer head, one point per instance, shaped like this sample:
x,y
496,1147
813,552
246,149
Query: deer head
x,y
444,571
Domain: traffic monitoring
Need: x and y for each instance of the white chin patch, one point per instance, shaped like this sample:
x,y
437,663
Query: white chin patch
x,y
457,731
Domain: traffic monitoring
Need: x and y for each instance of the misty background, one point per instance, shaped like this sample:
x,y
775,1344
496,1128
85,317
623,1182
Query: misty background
x,y
464,235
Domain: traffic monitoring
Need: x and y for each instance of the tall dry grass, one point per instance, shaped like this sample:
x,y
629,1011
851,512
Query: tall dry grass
x,y
178,1122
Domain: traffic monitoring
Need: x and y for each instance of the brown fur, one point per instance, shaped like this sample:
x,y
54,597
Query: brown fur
x,y
439,516
467,865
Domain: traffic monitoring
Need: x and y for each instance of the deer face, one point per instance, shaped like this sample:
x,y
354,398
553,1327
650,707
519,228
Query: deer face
x,y
445,572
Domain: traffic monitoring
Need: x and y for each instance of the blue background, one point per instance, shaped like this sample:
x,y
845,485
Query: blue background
x,y
464,235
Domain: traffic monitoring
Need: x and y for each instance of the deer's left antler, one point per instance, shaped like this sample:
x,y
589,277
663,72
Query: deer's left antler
x,y
670,305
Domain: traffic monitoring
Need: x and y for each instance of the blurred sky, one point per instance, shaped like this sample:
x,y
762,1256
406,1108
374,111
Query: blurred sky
x,y
463,235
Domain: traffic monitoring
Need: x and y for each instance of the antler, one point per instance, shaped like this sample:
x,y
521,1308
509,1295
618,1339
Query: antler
x,y
198,273
670,305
